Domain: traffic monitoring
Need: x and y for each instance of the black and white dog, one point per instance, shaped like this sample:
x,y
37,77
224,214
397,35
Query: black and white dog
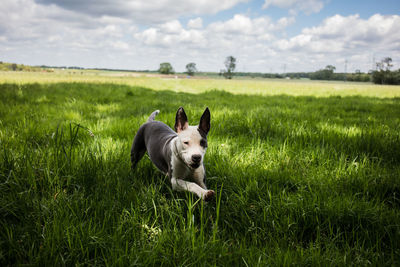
x,y
178,154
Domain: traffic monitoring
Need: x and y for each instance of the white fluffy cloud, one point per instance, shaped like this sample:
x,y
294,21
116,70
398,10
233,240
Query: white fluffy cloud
x,y
38,34
339,38
244,25
171,35
239,31
196,23
56,33
241,36
339,33
306,6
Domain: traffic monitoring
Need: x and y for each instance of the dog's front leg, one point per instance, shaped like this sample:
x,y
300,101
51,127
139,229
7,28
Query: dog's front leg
x,y
182,185
199,177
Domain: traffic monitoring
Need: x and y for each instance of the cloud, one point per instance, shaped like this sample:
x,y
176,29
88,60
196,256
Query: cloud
x,y
244,25
25,21
306,6
150,11
240,24
340,34
172,27
120,45
37,34
196,23
56,33
346,37
172,35
242,36
239,32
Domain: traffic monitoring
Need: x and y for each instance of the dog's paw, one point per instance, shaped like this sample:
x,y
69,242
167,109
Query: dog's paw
x,y
209,195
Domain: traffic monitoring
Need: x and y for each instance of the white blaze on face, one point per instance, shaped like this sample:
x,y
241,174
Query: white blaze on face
x,y
190,143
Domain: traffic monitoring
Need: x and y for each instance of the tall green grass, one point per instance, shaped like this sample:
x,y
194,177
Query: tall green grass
x,y
300,180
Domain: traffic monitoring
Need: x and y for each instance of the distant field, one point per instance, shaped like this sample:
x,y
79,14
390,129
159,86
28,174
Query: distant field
x,y
306,173
201,85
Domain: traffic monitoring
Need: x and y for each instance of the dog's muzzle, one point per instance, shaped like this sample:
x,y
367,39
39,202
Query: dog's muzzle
x,y
196,160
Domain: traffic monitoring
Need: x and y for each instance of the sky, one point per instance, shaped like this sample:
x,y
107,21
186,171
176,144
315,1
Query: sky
x,y
273,36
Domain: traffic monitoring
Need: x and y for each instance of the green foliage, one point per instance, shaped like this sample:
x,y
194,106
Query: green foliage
x,y
328,74
300,180
17,67
386,77
191,69
358,77
383,75
166,68
324,74
385,64
230,65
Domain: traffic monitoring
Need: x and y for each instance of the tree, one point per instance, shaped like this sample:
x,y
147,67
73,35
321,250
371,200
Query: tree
x,y
191,68
385,64
230,64
330,68
383,75
324,74
14,67
166,68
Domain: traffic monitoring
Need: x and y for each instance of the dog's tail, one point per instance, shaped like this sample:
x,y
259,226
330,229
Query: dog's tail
x,y
153,115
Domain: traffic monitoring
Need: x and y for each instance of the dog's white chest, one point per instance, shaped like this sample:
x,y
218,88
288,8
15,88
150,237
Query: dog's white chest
x,y
179,169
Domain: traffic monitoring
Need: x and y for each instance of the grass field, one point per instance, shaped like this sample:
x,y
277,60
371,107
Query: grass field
x,y
306,173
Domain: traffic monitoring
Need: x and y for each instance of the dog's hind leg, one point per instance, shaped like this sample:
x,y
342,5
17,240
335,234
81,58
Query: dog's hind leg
x,y
138,148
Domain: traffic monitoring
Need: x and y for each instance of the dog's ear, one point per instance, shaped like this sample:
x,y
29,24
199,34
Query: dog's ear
x,y
181,121
204,124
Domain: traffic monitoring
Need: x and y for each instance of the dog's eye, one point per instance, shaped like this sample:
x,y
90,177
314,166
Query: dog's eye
x,y
186,142
203,143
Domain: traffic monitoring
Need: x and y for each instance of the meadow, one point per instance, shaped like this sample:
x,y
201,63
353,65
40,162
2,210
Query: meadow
x,y
305,173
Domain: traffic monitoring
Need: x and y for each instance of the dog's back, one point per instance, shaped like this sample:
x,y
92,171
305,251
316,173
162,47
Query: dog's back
x,y
156,142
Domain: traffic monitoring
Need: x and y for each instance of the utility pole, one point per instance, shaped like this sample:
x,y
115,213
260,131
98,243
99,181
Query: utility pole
x,y
345,70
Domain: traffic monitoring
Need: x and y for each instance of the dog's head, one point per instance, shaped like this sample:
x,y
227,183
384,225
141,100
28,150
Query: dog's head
x,y
192,140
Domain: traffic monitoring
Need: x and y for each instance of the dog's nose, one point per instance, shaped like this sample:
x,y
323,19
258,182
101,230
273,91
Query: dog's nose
x,y
196,158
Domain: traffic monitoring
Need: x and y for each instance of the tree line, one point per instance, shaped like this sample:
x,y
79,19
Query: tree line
x,y
230,64
328,74
382,74
4,66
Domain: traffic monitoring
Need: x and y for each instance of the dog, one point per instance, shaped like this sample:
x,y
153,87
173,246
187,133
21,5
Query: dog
x,y
177,154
